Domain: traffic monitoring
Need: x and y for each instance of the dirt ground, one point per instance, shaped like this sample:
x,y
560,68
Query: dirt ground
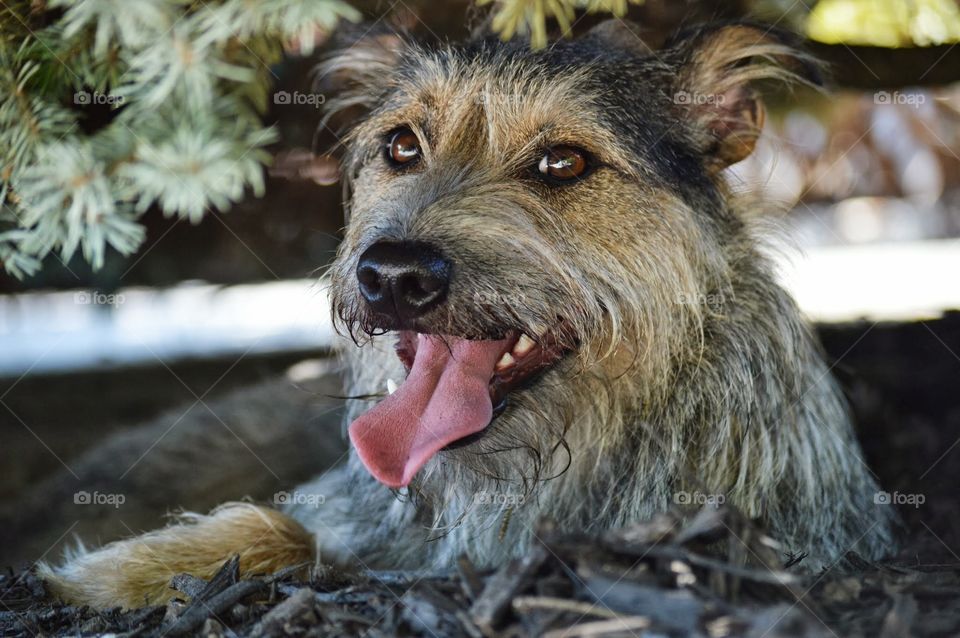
x,y
715,577
712,575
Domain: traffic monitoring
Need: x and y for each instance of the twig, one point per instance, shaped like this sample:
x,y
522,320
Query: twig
x,y
600,627
528,603
194,616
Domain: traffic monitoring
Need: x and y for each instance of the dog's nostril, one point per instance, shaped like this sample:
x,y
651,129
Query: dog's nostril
x,y
432,280
410,287
369,280
403,280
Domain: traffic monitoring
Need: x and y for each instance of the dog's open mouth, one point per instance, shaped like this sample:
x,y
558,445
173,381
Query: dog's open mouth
x,y
453,390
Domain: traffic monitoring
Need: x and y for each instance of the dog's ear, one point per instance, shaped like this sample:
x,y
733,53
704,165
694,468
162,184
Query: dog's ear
x,y
357,72
352,78
714,86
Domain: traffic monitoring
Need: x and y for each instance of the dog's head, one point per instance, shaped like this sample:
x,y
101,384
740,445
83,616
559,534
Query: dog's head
x,y
533,227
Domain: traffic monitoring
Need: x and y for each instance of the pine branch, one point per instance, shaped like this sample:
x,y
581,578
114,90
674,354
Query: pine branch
x,y
530,16
188,82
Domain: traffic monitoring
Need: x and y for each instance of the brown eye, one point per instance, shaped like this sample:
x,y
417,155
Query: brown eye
x,y
563,163
404,147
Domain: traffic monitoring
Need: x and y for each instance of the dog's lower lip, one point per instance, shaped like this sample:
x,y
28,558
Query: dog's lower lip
x,y
467,440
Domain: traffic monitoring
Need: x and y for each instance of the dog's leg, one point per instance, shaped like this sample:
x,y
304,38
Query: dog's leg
x,y
137,571
341,517
251,442
183,461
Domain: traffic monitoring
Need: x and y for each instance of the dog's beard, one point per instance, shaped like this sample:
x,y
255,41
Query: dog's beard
x,y
559,437
459,410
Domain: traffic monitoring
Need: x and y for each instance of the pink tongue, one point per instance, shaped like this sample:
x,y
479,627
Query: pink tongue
x,y
446,397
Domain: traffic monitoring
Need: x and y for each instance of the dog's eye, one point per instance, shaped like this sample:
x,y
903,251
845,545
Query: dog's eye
x,y
403,148
563,163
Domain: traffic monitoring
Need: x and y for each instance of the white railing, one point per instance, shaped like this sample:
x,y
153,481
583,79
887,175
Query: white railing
x,y
57,331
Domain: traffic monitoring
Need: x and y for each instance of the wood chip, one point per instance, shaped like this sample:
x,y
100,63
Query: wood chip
x,y
489,610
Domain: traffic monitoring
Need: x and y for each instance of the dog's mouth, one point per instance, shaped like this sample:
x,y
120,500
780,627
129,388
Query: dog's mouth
x,y
521,360
454,389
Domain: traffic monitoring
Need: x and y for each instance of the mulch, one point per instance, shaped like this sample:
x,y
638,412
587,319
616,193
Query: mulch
x,y
707,574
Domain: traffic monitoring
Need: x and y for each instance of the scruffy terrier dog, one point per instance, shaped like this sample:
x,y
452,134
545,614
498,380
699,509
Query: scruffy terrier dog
x,y
544,267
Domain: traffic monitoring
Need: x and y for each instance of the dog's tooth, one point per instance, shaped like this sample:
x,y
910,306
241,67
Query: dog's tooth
x,y
391,386
505,361
524,345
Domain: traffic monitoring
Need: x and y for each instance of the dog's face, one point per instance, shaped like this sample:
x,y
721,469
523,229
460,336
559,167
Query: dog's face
x,y
529,227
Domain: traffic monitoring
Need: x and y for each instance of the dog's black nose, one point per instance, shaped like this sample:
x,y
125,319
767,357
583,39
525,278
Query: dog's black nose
x,y
403,280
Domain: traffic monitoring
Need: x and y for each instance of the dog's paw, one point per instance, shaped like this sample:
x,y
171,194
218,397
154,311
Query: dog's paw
x,y
137,571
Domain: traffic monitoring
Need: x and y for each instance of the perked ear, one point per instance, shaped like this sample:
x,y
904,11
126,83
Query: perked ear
x,y
354,77
714,90
357,72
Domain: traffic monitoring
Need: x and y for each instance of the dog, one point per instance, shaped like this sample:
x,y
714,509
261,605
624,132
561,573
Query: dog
x,y
560,311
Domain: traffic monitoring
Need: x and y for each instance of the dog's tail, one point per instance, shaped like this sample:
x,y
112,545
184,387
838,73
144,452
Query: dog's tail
x,y
137,571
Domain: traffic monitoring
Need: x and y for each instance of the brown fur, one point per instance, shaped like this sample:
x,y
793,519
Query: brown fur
x,y
137,571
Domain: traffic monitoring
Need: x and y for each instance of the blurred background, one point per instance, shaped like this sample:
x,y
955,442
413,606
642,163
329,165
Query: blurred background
x,y
864,189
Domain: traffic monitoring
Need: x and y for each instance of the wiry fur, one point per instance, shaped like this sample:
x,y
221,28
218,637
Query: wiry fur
x,y
692,370
667,394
